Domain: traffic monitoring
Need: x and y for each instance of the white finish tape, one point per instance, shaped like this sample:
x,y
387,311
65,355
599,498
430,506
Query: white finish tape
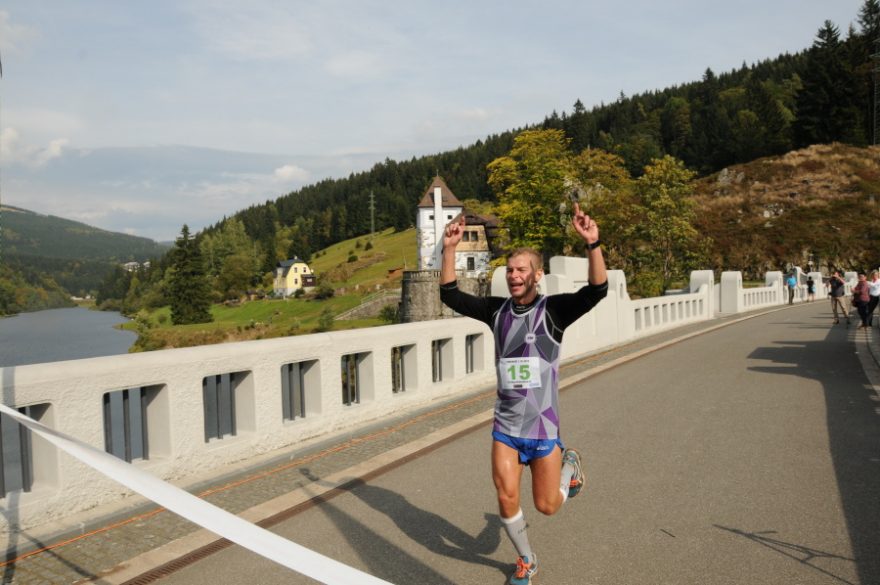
x,y
229,526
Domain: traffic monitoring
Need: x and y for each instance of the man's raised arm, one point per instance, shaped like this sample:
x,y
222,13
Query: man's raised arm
x,y
451,237
589,233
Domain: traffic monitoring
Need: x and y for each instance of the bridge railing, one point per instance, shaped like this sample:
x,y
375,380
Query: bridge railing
x,y
182,413
185,413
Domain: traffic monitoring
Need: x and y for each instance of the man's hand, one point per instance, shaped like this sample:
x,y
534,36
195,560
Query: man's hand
x,y
584,226
453,232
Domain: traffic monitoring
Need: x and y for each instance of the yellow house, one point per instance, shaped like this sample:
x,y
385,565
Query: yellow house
x,y
292,275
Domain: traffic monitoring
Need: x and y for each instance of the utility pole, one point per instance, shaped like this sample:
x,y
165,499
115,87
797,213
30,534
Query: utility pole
x,y
875,57
372,214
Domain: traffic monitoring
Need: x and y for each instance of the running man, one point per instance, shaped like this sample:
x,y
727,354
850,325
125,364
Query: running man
x,y
528,331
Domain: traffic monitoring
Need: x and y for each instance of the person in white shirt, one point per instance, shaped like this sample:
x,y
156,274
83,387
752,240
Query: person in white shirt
x,y
874,294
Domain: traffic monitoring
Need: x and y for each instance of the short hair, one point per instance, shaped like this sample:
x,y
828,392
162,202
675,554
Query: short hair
x,y
535,259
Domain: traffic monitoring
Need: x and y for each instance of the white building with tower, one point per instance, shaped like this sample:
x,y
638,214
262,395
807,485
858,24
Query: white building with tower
x,y
420,293
437,208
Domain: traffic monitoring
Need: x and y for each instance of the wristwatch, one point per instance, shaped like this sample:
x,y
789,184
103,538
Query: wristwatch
x,y
594,245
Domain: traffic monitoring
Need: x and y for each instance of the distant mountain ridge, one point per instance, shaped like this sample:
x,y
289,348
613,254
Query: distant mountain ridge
x,y
26,233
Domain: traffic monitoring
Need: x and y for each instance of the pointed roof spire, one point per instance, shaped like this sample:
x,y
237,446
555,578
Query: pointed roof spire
x,y
448,198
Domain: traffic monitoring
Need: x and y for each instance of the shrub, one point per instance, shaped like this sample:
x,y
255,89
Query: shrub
x,y
324,291
325,321
390,314
648,284
352,258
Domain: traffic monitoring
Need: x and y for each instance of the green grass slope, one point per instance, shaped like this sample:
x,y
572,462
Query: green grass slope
x,y
377,268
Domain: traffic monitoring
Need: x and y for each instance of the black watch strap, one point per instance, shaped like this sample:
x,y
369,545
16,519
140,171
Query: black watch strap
x,y
594,245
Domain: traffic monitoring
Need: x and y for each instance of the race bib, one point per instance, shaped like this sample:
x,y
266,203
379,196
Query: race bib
x,y
519,373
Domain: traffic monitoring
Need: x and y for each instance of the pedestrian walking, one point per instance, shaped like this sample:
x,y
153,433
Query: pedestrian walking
x,y
860,299
811,289
528,329
791,283
837,290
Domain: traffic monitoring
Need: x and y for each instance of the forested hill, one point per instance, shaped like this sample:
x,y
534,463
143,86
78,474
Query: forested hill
x,y
820,95
45,259
25,233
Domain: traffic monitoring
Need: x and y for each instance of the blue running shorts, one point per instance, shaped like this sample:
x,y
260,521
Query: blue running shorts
x,y
528,449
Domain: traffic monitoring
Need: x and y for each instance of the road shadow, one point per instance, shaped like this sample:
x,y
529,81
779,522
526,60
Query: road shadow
x,y
853,419
803,554
428,529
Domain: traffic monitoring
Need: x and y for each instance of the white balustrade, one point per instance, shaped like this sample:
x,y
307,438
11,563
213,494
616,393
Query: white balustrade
x,y
204,409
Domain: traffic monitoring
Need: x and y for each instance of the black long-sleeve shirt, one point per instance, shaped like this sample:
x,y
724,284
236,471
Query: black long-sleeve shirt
x,y
562,309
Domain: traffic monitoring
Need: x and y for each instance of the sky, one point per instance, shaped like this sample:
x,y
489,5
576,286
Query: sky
x,y
139,117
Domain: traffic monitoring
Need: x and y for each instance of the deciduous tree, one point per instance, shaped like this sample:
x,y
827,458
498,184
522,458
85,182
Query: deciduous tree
x,y
666,205
530,184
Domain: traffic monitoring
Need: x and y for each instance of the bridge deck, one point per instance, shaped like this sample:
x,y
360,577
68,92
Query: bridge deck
x,y
749,453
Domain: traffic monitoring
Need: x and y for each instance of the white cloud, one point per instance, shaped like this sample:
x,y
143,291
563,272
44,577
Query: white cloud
x,y
14,150
54,150
45,123
292,173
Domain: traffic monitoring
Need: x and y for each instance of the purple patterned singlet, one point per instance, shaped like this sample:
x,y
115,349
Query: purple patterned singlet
x,y
527,359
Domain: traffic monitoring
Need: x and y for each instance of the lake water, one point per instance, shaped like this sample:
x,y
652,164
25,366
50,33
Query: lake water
x,y
61,334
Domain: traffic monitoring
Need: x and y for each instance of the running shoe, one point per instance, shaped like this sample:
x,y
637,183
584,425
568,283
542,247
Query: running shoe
x,y
573,458
525,568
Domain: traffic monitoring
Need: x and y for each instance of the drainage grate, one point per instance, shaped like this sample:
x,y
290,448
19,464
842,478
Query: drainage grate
x,y
180,563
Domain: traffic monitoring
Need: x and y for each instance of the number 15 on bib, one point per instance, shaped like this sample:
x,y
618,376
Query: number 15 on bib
x,y
519,373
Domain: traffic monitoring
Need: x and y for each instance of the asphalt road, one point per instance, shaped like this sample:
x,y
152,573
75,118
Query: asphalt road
x,y
747,455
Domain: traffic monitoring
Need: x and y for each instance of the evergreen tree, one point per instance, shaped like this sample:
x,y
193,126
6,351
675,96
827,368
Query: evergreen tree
x,y
578,127
869,20
188,291
773,116
825,106
676,125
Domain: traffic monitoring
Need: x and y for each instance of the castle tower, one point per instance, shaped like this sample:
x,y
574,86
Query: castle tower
x,y
420,295
438,207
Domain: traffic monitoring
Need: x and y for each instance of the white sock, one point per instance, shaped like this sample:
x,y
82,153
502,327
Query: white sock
x,y
516,530
565,480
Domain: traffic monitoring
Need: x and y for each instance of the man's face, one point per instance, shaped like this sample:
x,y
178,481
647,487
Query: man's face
x,y
522,279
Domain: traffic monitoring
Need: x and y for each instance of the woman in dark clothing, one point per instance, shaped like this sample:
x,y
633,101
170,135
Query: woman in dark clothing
x,y
861,298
